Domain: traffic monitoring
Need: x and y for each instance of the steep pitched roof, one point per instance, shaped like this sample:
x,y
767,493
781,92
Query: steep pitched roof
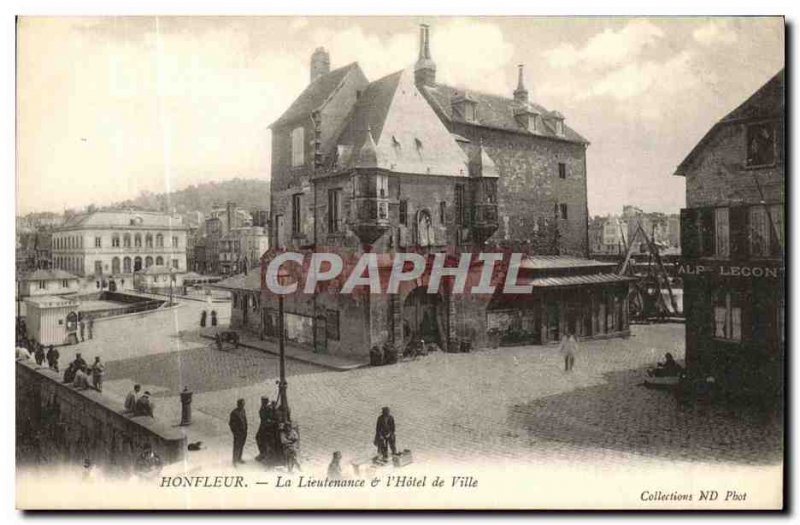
x,y
409,136
766,102
315,95
493,111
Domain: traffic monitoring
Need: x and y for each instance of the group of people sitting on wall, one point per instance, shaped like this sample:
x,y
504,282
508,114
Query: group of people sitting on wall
x,y
78,373
138,403
28,349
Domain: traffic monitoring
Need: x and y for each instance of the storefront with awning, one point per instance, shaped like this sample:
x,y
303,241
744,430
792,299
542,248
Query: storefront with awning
x,y
569,295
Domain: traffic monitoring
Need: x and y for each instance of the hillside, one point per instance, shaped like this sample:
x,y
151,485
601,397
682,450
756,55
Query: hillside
x,y
246,193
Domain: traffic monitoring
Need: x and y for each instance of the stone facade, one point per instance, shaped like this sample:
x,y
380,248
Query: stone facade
x,y
733,246
118,243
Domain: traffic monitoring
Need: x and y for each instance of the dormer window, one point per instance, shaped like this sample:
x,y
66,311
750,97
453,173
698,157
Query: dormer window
x,y
464,107
560,127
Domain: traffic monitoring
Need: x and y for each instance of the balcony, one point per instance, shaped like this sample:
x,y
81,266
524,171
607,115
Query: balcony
x,y
370,218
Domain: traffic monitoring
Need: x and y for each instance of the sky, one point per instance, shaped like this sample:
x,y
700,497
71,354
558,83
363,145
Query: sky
x,y
110,107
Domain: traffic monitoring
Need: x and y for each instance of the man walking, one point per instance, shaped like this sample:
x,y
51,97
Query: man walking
x,y
91,327
83,327
385,434
238,425
132,397
98,369
569,345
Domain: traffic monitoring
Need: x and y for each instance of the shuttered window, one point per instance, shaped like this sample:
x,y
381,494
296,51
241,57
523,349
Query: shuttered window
x,y
722,233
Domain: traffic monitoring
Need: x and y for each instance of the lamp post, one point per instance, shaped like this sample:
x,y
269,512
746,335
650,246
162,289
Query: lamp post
x,y
283,278
171,280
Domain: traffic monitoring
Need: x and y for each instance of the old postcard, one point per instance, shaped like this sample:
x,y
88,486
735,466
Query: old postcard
x,y
400,263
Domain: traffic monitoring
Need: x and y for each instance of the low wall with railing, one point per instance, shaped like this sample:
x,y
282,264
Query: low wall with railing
x,y
56,423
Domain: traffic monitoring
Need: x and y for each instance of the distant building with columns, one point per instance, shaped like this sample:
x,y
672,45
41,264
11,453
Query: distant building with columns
x,y
115,244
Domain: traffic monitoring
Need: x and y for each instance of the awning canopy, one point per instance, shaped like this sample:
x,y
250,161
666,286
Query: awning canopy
x,y
579,280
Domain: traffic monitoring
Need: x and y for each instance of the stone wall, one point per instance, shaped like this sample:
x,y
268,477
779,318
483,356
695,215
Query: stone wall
x,y
56,423
720,177
529,188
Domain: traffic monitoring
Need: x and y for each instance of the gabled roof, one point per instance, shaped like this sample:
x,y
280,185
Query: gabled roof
x,y
409,135
48,275
315,95
494,111
767,102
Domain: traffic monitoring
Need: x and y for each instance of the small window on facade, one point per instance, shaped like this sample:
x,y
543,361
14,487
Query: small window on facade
x,y
332,324
115,241
174,242
298,153
562,170
563,209
98,242
442,211
126,240
296,213
42,285
459,204
722,232
404,213
382,186
727,317
64,283
761,149
334,210
159,241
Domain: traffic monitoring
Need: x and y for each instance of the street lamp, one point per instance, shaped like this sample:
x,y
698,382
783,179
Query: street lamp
x,y
283,279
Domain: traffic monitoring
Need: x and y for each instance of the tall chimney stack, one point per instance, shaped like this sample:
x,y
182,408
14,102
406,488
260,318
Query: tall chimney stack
x,y
320,63
425,68
521,94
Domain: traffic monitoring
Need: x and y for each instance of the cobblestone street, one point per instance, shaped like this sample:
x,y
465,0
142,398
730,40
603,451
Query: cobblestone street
x,y
500,405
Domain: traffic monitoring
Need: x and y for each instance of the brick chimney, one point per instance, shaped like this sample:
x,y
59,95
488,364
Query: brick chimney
x,y
521,94
320,63
425,68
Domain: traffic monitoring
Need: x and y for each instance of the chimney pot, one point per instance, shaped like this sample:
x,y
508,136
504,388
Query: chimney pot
x,y
320,63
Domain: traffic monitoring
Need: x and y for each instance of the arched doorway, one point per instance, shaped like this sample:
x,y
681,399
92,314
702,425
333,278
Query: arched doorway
x,y
137,264
148,262
126,265
424,317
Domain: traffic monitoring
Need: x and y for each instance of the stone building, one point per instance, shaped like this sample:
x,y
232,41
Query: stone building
x,y
404,163
112,245
733,247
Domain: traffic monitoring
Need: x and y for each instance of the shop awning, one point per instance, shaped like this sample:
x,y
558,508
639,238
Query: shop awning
x,y
249,282
579,280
